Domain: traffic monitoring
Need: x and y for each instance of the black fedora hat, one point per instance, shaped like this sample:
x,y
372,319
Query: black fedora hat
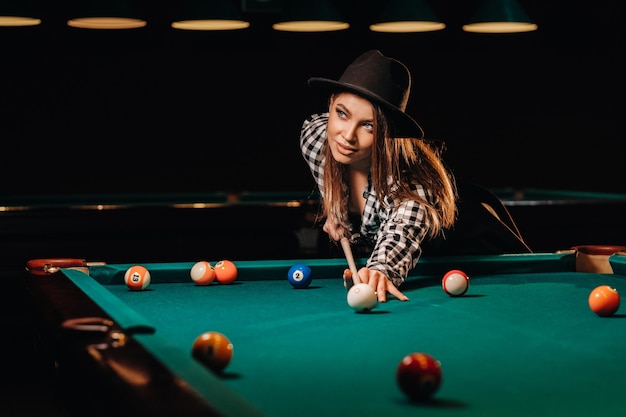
x,y
382,80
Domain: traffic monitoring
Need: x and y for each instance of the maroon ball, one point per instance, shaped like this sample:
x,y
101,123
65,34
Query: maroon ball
x,y
419,376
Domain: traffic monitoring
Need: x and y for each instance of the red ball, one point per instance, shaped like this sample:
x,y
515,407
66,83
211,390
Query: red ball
x,y
213,350
604,300
137,278
455,283
225,272
419,376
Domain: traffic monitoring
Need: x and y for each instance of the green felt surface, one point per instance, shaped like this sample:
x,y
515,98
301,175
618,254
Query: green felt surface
x,y
517,344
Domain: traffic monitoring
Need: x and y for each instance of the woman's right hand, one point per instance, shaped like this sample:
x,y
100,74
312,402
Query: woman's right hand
x,y
334,229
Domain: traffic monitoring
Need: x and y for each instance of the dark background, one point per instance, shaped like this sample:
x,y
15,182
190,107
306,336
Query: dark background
x,y
161,110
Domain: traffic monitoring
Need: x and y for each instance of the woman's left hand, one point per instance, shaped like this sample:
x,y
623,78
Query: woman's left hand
x,y
379,282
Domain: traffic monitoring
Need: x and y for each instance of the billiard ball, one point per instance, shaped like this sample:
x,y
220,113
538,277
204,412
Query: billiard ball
x,y
137,278
419,376
362,298
202,273
225,272
213,350
300,276
455,283
604,300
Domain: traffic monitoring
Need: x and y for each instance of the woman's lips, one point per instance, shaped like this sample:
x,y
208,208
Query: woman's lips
x,y
345,150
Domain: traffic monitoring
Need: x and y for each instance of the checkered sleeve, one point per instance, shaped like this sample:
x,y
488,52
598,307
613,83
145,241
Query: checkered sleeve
x,y
312,138
403,226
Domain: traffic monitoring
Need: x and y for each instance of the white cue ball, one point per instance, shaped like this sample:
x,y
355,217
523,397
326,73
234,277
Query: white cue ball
x,y
455,283
362,298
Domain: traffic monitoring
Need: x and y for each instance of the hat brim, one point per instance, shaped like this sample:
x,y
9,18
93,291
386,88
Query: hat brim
x,y
404,126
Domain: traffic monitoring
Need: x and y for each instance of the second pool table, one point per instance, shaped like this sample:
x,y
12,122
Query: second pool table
x,y
174,227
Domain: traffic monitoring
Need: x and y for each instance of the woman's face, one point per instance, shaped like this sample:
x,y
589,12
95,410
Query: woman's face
x,y
351,129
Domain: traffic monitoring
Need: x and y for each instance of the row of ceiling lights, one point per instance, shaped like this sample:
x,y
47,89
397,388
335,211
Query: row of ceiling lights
x,y
399,16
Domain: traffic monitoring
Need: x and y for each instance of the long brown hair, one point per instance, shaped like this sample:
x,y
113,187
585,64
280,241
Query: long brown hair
x,y
397,165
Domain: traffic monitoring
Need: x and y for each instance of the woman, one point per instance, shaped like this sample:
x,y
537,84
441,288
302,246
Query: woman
x,y
378,178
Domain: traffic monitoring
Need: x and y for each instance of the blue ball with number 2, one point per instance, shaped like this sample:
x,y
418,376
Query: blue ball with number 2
x,y
300,276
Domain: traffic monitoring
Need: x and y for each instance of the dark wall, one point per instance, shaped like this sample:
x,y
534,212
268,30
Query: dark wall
x,y
157,109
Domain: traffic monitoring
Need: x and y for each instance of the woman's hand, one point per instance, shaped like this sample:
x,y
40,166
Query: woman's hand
x,y
334,229
378,281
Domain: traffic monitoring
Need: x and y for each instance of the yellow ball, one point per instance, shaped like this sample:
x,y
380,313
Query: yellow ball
x,y
213,350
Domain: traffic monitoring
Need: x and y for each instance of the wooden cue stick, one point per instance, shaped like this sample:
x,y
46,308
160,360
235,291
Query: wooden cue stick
x,y
347,250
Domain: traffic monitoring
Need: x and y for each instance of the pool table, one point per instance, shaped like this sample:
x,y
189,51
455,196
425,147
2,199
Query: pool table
x,y
521,342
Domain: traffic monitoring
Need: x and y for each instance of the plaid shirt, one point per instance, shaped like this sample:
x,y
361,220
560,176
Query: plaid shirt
x,y
395,229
